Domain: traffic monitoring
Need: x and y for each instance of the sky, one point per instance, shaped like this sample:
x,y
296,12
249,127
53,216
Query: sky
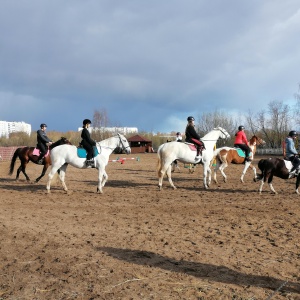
x,y
147,64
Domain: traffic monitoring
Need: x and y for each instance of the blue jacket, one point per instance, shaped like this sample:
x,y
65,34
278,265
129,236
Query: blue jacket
x,y
290,149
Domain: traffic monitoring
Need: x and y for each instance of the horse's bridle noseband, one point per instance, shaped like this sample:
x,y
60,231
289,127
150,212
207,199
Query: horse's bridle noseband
x,y
123,147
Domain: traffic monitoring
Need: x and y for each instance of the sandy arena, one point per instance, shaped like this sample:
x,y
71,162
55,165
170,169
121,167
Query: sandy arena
x,y
136,242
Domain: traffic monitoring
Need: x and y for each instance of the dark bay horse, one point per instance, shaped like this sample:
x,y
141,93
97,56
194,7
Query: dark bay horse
x,y
25,154
226,155
274,167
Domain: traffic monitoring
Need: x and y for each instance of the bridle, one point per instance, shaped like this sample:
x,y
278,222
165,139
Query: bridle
x,y
123,147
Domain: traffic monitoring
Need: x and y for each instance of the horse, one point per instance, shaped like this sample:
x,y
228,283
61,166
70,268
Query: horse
x,y
182,152
226,155
274,167
64,155
25,154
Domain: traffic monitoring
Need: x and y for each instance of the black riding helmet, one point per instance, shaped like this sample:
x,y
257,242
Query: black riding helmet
x,y
293,133
43,125
241,127
86,121
190,118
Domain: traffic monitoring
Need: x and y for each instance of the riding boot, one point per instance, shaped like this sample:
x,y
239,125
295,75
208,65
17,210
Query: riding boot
x,y
40,160
198,154
90,163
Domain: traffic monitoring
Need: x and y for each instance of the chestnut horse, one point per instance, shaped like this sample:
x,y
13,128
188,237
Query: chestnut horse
x,y
25,154
275,167
226,155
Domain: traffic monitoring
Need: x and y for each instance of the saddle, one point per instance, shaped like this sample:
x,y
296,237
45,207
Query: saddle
x,y
37,151
81,152
240,152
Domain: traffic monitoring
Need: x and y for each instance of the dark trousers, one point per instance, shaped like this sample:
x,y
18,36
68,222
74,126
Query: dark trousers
x,y
295,161
244,147
43,150
89,150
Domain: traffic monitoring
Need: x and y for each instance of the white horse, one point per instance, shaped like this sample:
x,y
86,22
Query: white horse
x,y
67,154
168,152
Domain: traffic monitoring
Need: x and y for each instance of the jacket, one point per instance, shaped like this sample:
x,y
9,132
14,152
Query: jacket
x,y
240,138
290,149
190,133
86,138
42,137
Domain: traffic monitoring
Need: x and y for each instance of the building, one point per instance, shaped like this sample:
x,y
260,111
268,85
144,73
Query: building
x,y
9,127
139,144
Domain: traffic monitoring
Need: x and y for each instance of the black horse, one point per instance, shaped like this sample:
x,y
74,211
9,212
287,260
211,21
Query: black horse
x,y
25,154
274,167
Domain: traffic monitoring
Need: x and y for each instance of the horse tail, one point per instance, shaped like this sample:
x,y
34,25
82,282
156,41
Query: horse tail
x,y
13,160
159,159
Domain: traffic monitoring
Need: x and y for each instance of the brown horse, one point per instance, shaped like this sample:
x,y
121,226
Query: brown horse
x,y
25,154
226,155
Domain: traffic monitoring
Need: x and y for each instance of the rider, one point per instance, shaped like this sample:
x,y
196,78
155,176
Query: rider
x,y
291,152
178,137
191,136
43,142
242,142
87,143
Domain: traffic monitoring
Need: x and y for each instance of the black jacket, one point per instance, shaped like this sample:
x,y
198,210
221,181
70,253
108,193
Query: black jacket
x,y
86,138
42,137
190,133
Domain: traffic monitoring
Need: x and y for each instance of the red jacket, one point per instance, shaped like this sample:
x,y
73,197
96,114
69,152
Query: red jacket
x,y
240,138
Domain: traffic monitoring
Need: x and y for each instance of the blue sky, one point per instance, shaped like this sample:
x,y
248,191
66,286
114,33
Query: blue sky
x,y
148,64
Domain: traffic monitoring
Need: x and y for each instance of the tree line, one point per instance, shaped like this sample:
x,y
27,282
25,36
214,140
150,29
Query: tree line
x,y
272,125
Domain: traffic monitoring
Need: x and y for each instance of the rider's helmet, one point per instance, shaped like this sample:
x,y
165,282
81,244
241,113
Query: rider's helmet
x,y
292,133
190,118
86,121
178,133
43,125
241,127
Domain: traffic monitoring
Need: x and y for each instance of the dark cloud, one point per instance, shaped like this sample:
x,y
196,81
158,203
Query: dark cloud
x,y
149,64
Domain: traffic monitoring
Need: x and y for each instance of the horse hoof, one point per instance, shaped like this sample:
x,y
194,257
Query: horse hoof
x,y
174,188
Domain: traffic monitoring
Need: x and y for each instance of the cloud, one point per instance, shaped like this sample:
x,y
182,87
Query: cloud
x,y
149,64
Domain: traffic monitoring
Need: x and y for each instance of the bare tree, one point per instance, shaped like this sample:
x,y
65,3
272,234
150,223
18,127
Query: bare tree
x,y
100,121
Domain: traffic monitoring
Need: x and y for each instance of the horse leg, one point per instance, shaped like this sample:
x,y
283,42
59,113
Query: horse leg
x,y
43,173
247,165
101,174
222,167
22,169
54,170
270,184
168,172
163,167
297,184
206,170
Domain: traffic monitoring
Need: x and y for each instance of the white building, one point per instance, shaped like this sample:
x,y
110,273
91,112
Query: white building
x,y
9,127
122,130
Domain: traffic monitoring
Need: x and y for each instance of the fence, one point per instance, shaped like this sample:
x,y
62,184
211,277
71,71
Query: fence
x,y
269,151
6,153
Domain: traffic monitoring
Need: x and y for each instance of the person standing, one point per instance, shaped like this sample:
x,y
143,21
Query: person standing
x,y
87,143
191,136
43,142
178,137
241,141
291,153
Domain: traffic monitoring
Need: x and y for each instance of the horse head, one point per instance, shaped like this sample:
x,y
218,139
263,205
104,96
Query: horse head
x,y
124,144
224,133
255,140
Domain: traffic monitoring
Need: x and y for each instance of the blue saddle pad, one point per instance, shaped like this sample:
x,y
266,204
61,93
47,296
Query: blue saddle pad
x,y
240,152
81,152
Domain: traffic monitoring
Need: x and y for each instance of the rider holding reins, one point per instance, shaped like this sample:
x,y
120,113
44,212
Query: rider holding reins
x,y
291,153
242,142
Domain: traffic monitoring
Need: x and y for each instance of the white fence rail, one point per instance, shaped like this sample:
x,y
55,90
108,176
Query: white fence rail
x,y
269,151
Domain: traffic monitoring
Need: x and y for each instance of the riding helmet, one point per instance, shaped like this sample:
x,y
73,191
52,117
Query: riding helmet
x,y
190,118
178,133
241,127
43,125
86,121
292,133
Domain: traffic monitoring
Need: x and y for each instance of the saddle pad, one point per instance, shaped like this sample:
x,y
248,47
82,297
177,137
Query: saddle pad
x,y
36,152
81,152
240,152
192,146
